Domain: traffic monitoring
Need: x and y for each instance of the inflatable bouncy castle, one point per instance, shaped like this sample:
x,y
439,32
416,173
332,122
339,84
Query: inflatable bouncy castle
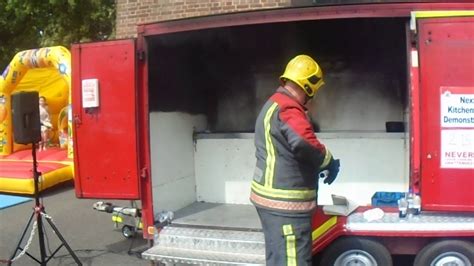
x,y
47,71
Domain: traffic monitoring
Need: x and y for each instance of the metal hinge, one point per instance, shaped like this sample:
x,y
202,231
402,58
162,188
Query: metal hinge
x,y
413,39
141,55
144,172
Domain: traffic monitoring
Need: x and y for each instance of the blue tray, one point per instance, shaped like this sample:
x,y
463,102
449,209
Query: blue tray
x,y
386,199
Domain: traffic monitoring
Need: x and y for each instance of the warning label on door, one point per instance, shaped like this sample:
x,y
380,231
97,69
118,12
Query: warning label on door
x,y
457,107
457,148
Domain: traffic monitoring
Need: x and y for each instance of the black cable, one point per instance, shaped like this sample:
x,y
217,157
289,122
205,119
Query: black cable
x,y
99,250
119,214
88,250
135,228
130,252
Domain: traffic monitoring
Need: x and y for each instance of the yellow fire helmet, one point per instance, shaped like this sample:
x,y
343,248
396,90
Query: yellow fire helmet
x,y
305,72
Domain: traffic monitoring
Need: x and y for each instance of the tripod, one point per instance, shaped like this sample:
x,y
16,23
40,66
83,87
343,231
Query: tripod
x,y
38,213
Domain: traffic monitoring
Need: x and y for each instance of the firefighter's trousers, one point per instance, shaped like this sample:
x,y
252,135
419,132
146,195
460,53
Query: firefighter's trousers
x,y
287,238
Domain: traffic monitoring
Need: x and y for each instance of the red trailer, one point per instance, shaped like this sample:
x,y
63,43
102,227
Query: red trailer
x,y
169,121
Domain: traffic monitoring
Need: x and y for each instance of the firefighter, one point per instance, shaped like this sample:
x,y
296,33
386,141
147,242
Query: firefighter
x,y
289,158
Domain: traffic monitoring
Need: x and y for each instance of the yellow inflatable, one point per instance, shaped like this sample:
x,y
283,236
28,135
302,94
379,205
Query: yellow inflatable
x,y
48,71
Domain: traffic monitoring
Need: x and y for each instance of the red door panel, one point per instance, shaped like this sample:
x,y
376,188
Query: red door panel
x,y
446,47
105,137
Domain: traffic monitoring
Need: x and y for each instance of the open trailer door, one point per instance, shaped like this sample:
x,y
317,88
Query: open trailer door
x,y
105,120
446,57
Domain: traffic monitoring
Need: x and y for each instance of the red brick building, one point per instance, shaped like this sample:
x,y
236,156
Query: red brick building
x,y
130,13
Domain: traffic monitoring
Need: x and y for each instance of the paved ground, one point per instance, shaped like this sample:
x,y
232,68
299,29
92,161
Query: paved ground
x,y
91,234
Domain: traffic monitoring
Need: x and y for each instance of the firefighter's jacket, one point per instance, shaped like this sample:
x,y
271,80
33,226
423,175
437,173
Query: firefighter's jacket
x,y
289,157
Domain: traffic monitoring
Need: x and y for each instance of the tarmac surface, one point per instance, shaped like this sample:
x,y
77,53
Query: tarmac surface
x,y
91,234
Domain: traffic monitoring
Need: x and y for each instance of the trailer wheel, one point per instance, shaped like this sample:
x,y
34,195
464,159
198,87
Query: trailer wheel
x,y
128,231
446,252
356,251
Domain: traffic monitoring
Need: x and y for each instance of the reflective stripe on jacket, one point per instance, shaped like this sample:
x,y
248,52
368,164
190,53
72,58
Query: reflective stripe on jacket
x,y
288,157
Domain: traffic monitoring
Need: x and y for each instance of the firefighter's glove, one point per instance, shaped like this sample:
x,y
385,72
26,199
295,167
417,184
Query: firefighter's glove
x,y
333,170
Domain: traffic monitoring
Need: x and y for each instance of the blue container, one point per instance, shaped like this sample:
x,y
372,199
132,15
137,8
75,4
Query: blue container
x,y
386,199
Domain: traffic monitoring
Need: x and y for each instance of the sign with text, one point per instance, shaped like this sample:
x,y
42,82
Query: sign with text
x,y
90,93
457,107
457,127
457,148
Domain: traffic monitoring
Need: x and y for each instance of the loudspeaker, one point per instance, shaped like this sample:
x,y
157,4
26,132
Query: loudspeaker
x,y
25,116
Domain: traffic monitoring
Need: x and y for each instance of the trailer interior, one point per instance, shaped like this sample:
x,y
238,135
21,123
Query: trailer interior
x,y
206,88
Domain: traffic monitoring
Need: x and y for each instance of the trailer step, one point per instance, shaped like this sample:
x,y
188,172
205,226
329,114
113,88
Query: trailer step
x,y
207,246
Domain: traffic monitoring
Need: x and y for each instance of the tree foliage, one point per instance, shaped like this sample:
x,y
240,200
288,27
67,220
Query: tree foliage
x,y
28,24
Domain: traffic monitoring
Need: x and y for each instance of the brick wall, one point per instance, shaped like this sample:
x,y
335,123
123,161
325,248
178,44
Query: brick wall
x,y
133,12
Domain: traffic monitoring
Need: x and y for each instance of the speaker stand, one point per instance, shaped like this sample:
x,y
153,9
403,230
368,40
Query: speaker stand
x,y
38,215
